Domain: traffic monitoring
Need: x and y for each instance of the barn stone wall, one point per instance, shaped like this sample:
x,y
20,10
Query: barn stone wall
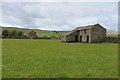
x,y
89,34
71,37
84,33
98,34
63,38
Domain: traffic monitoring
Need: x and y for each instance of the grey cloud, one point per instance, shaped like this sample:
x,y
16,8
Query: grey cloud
x,y
58,16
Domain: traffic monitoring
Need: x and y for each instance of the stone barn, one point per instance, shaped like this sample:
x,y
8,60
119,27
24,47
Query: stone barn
x,y
32,35
88,34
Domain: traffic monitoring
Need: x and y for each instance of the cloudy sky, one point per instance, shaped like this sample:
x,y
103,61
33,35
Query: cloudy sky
x,y
59,15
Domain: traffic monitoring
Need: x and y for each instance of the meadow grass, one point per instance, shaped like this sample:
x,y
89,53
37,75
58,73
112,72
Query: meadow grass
x,y
25,58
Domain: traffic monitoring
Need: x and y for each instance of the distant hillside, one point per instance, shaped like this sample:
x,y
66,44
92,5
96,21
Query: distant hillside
x,y
40,32
112,33
25,30
52,33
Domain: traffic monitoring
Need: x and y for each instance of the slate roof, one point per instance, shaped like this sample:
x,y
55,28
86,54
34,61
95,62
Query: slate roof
x,y
80,28
85,27
30,31
69,33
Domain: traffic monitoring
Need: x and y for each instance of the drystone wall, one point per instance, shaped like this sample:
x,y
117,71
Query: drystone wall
x,y
112,39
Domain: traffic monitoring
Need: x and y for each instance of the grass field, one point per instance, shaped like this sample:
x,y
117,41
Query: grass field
x,y
55,59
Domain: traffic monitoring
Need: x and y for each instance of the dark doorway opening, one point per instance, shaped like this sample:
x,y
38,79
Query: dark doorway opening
x,y
80,38
87,39
76,38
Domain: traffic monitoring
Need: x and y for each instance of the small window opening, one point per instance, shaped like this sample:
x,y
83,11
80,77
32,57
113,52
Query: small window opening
x,y
98,37
85,30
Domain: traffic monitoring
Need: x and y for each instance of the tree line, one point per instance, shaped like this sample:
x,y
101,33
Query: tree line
x,y
12,33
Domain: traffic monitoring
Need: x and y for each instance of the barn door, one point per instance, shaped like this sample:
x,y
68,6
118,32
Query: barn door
x,y
80,38
76,38
87,39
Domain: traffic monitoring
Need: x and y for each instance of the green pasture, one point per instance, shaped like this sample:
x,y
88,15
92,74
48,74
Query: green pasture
x,y
27,58
56,34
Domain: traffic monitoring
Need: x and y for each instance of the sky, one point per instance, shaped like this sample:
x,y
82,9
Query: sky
x,y
61,16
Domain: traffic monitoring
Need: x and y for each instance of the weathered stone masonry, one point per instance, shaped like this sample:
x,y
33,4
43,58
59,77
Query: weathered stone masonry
x,y
32,35
89,34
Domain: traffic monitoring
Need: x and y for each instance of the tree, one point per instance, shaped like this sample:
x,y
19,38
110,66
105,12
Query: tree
x,y
13,33
20,33
5,32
